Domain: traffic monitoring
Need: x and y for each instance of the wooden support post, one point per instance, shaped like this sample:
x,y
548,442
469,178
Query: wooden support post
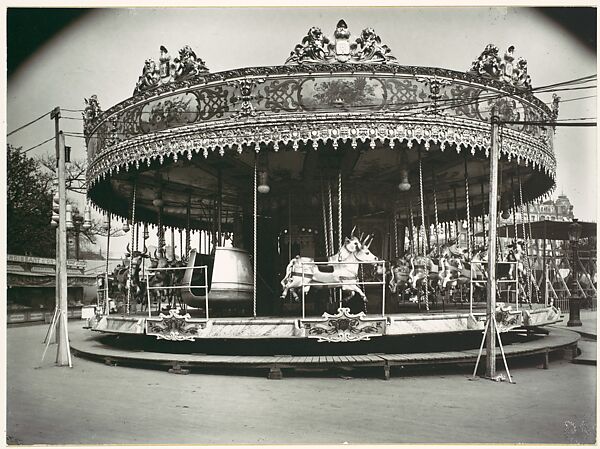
x,y
177,369
275,373
386,371
546,360
490,365
63,354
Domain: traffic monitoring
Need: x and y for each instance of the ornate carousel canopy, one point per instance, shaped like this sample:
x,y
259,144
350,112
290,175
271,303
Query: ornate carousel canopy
x,y
338,105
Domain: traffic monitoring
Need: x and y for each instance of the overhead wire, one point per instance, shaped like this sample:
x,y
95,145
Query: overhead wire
x,y
27,124
38,145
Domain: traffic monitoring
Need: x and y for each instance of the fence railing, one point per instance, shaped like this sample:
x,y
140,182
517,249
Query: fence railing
x,y
499,282
204,269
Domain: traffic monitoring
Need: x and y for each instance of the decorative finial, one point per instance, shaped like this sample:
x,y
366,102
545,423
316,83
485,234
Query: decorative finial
x,y
186,65
90,113
555,105
317,48
490,65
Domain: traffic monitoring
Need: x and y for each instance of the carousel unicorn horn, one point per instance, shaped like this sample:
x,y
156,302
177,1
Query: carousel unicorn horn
x,y
352,233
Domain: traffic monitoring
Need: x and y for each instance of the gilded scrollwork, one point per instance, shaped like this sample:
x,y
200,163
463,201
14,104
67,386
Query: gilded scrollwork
x,y
504,69
90,113
400,93
183,68
343,327
368,47
212,102
316,48
246,94
174,326
507,318
206,137
291,70
282,95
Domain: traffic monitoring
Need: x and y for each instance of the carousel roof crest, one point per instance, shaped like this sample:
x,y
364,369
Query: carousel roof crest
x,y
186,65
505,69
317,48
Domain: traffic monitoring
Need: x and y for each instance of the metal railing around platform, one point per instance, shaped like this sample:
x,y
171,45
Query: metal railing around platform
x,y
102,298
341,284
206,287
498,281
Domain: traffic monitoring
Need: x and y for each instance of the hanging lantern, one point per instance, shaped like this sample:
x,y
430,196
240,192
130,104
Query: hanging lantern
x,y
404,185
263,182
69,220
126,226
87,218
146,233
106,224
158,199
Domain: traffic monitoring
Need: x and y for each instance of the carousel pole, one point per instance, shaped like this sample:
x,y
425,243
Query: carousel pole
x,y
161,233
173,243
220,205
330,217
325,226
187,225
490,343
468,209
423,231
435,211
340,237
129,271
290,226
106,300
483,212
255,210
455,215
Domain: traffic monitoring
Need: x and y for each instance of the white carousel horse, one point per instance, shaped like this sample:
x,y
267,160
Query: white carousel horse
x,y
399,272
302,272
452,259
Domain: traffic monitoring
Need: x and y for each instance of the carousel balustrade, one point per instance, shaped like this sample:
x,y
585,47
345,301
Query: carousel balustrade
x,y
178,285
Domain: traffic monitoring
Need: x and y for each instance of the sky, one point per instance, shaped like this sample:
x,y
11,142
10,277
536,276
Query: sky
x,y
103,53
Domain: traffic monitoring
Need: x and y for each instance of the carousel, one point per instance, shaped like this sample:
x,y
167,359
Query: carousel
x,y
337,198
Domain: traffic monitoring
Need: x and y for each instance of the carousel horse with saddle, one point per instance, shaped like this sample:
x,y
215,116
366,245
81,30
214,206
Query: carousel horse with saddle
x,y
305,272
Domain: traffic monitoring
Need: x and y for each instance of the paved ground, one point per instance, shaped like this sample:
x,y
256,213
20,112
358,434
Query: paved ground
x,y
98,404
589,323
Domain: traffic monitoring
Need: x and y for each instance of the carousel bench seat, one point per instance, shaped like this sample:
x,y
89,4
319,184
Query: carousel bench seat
x,y
324,268
194,275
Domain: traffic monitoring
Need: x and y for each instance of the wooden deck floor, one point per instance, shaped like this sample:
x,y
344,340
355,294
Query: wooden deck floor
x,y
89,345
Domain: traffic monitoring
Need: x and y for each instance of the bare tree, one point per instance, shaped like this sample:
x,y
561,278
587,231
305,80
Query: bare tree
x,y
75,176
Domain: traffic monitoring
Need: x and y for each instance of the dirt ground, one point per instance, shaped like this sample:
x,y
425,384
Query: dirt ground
x,y
92,403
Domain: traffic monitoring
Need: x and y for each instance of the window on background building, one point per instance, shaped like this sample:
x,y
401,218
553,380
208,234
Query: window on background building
x,y
542,217
534,218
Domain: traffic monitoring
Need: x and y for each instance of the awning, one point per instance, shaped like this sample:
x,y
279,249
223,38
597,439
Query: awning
x,y
551,230
28,280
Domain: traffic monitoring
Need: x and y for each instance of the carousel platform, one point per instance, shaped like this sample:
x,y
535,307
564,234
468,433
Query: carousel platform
x,y
339,327
521,344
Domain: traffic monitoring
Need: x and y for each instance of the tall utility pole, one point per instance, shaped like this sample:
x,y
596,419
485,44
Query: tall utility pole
x,y
63,355
490,343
